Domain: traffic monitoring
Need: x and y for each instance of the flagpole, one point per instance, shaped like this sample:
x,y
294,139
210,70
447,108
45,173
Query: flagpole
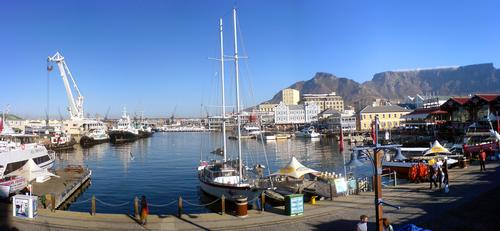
x,y
342,148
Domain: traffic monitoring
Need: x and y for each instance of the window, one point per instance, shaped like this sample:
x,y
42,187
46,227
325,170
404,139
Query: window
x,y
14,166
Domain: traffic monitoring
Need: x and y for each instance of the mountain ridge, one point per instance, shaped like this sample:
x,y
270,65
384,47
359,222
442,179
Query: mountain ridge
x,y
397,85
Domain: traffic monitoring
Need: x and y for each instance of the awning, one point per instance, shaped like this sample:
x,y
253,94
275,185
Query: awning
x,y
294,169
437,148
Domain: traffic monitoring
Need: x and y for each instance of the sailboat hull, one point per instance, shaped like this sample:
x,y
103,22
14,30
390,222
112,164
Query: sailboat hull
x,y
229,192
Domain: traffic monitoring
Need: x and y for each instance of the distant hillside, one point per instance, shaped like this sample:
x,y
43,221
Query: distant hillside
x,y
394,85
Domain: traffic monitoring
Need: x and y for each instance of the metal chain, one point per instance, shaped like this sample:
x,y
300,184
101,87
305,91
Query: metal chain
x,y
162,205
112,205
202,205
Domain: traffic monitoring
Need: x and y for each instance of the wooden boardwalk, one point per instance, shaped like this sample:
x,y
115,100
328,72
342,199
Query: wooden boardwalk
x,y
418,206
70,180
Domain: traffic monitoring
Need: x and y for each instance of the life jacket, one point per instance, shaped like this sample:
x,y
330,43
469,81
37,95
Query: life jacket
x,y
413,173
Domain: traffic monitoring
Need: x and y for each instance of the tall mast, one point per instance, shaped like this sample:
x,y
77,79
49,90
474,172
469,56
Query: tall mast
x,y
236,69
224,150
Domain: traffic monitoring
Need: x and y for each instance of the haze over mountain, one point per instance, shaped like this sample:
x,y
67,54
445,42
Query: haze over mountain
x,y
397,85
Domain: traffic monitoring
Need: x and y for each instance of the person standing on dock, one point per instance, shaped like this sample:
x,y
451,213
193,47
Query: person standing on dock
x,y
433,175
362,224
482,159
446,179
144,210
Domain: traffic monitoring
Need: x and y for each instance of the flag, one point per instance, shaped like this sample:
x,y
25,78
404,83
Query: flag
x,y
341,141
373,133
1,125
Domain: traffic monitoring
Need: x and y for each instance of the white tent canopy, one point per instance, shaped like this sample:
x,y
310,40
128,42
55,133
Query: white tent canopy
x,y
294,169
437,148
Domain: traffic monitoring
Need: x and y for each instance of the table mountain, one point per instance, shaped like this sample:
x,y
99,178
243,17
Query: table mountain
x,y
397,85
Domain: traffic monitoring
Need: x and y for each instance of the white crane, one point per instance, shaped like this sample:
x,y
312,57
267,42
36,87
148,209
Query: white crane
x,y
75,107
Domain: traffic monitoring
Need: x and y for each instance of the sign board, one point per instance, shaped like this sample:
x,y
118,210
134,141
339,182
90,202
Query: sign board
x,y
340,185
24,206
294,204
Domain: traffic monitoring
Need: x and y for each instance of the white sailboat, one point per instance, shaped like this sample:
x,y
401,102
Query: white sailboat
x,y
228,178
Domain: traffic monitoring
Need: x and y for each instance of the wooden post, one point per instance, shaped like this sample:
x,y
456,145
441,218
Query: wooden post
x,y
222,205
53,202
136,207
331,191
92,212
179,211
263,201
395,179
378,188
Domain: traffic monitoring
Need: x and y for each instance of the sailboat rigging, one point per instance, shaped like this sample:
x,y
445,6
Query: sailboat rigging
x,y
228,177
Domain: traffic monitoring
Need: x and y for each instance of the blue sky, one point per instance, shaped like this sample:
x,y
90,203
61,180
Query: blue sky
x,y
152,56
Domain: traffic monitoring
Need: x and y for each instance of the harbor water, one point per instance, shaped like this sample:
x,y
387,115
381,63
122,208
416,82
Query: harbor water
x,y
163,168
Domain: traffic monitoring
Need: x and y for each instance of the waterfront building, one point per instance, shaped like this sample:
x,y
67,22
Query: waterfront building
x,y
425,118
290,96
464,111
335,119
325,101
267,107
296,114
389,116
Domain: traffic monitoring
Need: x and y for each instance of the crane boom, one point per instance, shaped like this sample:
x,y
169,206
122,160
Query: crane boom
x,y
75,108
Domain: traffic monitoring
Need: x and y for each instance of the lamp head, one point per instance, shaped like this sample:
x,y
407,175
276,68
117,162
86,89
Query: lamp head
x,y
354,160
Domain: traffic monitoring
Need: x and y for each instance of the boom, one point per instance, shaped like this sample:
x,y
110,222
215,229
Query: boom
x,y
75,108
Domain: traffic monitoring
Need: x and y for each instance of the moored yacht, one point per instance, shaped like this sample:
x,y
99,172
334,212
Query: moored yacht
x,y
16,151
307,132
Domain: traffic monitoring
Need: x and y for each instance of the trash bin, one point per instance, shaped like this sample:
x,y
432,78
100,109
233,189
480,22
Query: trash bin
x,y
241,206
294,204
24,206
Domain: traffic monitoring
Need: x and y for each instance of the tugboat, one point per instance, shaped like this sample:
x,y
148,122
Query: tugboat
x,y
94,136
124,131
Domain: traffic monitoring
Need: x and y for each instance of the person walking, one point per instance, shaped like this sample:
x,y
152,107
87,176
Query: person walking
x,y
387,224
482,159
144,210
446,179
362,224
433,176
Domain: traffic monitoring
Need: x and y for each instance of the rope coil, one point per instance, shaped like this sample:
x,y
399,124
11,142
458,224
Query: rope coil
x,y
112,205
202,205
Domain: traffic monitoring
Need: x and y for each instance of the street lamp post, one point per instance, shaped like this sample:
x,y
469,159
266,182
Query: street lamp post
x,y
378,154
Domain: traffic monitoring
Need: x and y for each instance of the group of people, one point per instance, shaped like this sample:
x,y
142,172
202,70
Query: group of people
x,y
438,173
363,224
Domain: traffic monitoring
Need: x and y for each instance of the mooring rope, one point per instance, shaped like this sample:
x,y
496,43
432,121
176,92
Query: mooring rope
x,y
202,205
162,205
81,202
112,205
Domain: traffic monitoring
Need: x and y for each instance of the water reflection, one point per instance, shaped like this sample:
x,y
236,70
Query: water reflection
x,y
164,166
